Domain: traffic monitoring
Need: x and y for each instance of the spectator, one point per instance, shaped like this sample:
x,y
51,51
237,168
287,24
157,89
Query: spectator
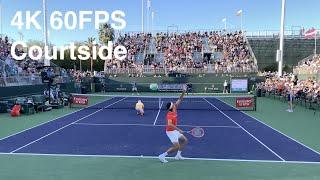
x,y
225,86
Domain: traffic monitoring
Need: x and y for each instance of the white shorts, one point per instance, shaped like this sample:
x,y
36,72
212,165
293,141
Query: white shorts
x,y
174,136
139,110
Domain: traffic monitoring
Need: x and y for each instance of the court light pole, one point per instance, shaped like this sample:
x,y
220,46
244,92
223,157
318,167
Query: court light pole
x,y
1,17
148,14
142,16
241,19
152,20
224,20
240,13
45,29
280,51
315,43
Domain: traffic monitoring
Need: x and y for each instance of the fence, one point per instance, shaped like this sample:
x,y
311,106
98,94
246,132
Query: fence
x,y
159,70
294,34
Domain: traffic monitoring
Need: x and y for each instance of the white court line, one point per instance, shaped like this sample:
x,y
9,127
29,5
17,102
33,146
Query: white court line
x,y
273,129
150,125
245,130
53,119
65,126
155,121
156,158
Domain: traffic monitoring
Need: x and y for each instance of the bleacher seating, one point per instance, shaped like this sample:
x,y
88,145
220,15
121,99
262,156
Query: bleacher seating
x,y
184,51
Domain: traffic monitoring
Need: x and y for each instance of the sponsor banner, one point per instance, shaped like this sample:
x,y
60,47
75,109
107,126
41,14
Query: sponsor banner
x,y
244,102
170,87
81,100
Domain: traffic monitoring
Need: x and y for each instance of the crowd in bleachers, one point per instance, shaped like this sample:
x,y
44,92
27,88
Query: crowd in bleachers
x,y
308,89
134,43
178,52
178,49
5,46
181,51
10,67
235,50
310,65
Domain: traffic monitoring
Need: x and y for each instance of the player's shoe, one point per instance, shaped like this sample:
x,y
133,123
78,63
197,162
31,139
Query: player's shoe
x,y
179,157
162,159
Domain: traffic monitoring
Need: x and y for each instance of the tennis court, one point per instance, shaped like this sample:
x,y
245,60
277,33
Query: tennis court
x,y
112,129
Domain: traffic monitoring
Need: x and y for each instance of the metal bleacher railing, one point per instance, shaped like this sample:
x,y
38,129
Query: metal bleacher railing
x,y
289,34
250,49
161,70
293,33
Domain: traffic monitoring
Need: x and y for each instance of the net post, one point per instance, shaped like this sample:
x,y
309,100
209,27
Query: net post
x,y
255,103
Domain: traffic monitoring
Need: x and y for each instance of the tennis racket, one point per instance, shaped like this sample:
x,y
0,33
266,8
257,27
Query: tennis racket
x,y
197,132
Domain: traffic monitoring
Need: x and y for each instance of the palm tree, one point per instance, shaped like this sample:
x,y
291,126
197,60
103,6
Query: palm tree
x,y
90,43
106,34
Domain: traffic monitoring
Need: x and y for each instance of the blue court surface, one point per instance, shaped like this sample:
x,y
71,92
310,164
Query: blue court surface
x,y
110,131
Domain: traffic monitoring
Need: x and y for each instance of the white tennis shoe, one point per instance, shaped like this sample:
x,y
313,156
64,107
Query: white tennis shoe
x,y
162,159
178,157
289,110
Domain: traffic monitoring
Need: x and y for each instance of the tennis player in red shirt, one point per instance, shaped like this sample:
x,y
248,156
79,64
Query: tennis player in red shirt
x,y
174,133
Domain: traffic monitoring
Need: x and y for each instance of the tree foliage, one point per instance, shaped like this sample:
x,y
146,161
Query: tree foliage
x,y
106,33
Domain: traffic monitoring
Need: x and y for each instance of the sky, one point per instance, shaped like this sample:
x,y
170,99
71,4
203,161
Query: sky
x,y
184,15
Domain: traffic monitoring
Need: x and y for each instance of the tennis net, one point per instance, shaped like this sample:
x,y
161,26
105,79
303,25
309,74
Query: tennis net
x,y
218,103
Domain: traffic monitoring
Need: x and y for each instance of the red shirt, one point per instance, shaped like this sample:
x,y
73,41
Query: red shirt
x,y
173,116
